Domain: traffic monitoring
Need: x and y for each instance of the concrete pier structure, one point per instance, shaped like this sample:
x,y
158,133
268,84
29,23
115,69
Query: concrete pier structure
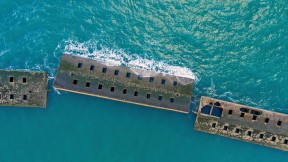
x,y
144,87
23,88
242,122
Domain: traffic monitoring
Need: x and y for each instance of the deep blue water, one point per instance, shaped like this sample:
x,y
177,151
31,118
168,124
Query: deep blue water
x,y
238,50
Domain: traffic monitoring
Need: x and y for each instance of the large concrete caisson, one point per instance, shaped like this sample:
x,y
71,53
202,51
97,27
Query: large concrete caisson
x,y
242,122
23,88
148,88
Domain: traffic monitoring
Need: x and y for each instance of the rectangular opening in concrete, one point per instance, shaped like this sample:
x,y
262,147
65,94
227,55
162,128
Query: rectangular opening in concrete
x,y
11,96
148,95
11,79
230,112
75,82
151,79
267,120
249,133
245,110
255,112
135,93
217,111
24,97
116,72
206,109
285,142
124,91
79,65
213,125
87,84
273,139
92,67
24,80
112,89
128,75
279,123
172,100
225,128
160,98
217,104
163,81
174,83
0,96
242,115
254,117
140,77
261,136
104,70
237,130
100,86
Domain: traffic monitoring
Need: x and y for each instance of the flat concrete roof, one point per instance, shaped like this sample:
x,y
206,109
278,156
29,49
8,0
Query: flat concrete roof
x,y
242,122
23,88
144,87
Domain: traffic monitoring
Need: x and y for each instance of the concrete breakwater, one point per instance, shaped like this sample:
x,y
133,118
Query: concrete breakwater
x,y
23,88
149,88
242,122
144,87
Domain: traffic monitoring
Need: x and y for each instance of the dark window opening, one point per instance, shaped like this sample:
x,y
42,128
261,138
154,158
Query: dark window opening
x,y
116,72
261,136
79,65
135,93
11,96
249,133
128,75
213,125
279,123
285,142
24,80
172,100
11,79
242,115
237,130
92,67
217,111
24,97
217,104
254,112
0,96
75,82
225,128
112,89
124,91
160,98
163,81
151,79
104,70
148,95
206,109
254,117
87,84
100,86
244,110
230,112
174,83
139,77
267,120
273,139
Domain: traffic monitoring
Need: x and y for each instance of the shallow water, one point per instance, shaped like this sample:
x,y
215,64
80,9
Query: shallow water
x,y
237,51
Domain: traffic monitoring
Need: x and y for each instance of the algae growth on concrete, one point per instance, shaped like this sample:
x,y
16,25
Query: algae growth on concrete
x,y
23,88
242,122
144,87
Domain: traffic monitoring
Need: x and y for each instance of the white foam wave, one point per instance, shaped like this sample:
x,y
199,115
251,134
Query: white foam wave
x,y
110,57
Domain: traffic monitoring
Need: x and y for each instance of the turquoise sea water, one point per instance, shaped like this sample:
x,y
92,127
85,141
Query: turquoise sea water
x,y
238,51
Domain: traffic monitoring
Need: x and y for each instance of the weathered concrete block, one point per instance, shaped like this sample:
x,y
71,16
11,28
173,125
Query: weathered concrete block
x,y
23,88
242,122
91,77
